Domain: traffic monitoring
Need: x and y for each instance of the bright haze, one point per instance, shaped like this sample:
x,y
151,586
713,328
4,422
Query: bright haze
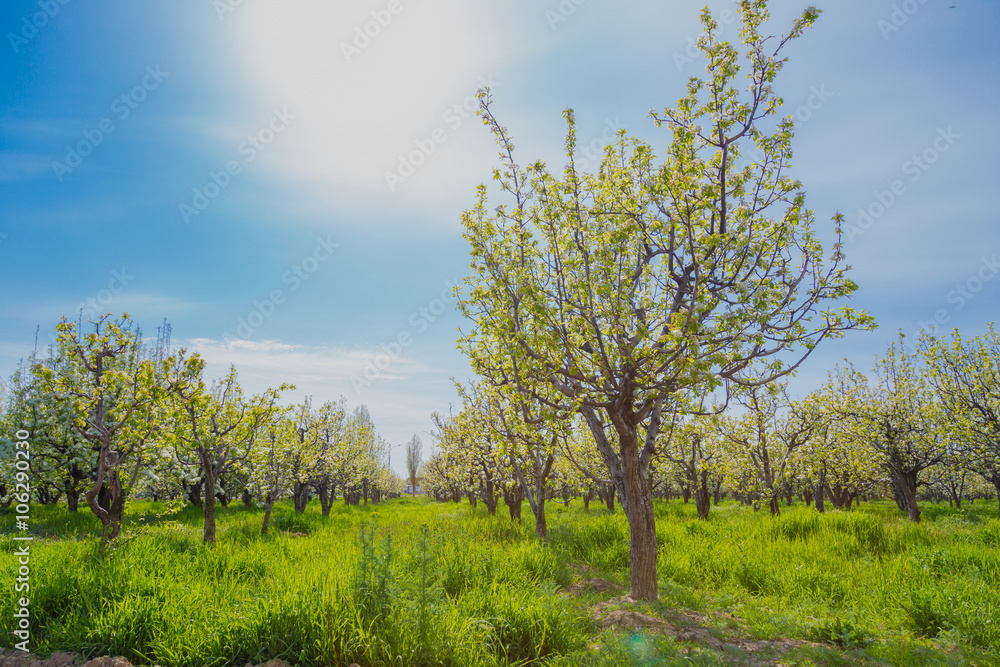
x,y
283,181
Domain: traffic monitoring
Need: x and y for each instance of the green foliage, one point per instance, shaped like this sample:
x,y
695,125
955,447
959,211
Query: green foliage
x,y
843,633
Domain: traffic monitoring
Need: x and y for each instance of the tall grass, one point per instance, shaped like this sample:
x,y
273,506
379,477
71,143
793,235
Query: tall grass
x,y
411,582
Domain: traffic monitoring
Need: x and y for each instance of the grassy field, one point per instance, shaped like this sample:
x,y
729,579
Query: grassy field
x,y
410,582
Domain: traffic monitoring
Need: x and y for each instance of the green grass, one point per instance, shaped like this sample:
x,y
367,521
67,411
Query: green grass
x,y
410,582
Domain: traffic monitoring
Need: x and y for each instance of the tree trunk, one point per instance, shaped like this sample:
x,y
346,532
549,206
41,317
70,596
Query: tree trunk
x,y
897,495
267,516
194,493
907,486
117,512
72,498
638,502
104,497
247,498
326,496
541,526
209,472
818,492
300,494
513,498
702,499
111,493
996,485
490,497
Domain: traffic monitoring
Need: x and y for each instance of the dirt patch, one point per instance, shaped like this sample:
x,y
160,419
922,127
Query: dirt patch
x,y
12,658
685,625
594,584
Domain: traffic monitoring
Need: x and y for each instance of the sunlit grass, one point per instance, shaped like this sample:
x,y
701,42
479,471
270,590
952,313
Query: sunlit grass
x,y
410,582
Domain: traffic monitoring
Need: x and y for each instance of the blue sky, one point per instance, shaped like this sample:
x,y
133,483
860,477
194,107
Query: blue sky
x,y
235,182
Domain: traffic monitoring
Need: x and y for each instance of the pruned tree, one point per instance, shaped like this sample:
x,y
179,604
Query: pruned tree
x,y
897,414
966,377
115,397
606,293
216,426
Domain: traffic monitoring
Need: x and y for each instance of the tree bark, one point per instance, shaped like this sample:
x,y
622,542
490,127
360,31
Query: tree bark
x,y
818,492
267,517
996,484
512,497
300,494
194,493
638,501
906,483
490,496
208,468
702,499
72,498
326,496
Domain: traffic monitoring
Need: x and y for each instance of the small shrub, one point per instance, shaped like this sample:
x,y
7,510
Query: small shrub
x,y
843,633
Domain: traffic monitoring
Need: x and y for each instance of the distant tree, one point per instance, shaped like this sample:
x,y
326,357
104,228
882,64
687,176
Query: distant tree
x,y
115,398
694,446
897,414
966,376
414,458
763,441
63,462
271,472
217,426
